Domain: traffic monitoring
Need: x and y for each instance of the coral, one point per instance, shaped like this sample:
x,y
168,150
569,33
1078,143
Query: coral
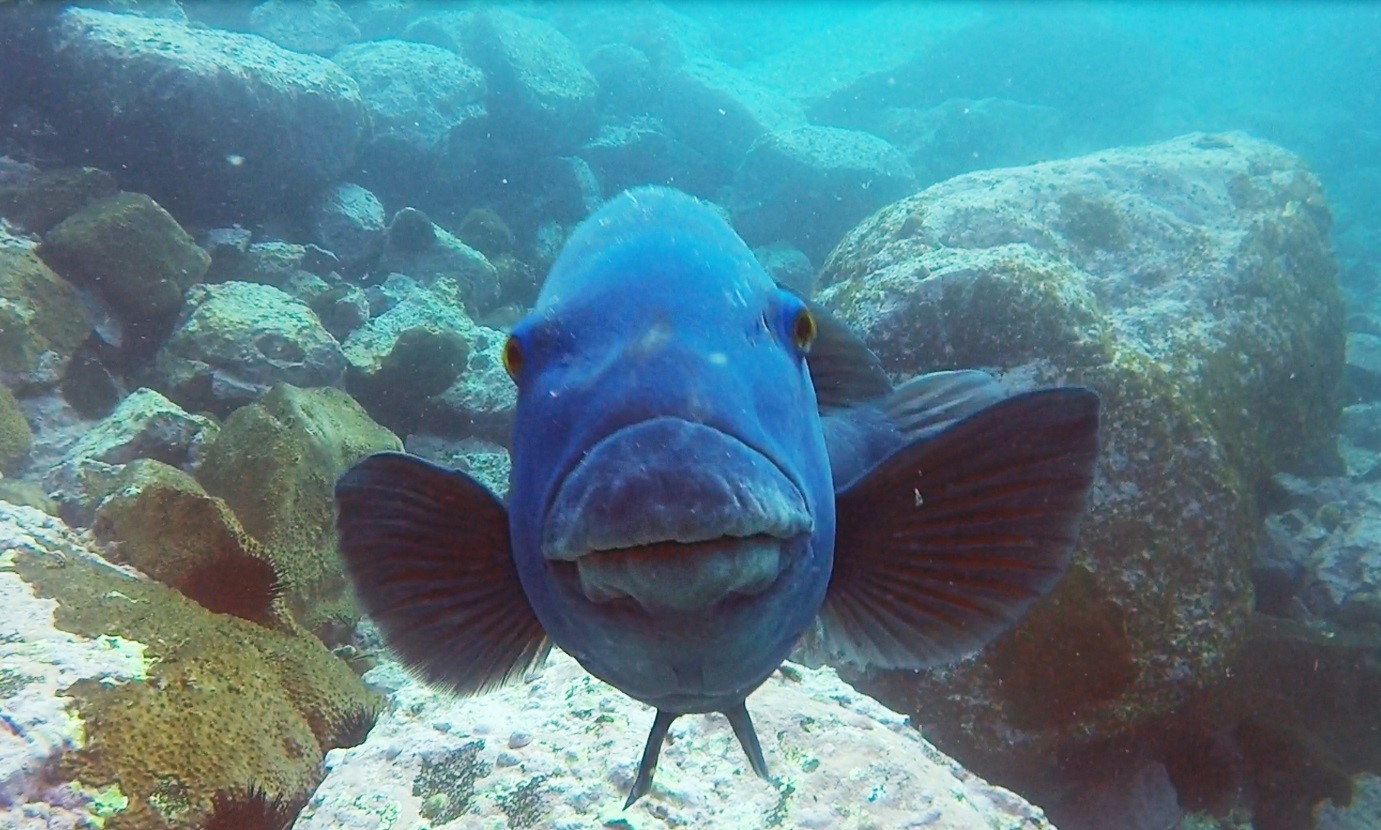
x,y
225,705
275,463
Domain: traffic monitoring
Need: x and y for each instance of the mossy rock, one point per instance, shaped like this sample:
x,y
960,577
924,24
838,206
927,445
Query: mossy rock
x,y
15,435
45,200
226,707
1213,334
275,463
131,250
27,494
41,321
161,521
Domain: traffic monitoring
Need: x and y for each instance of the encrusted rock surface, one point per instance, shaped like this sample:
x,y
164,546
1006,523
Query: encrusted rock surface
x,y
1191,284
236,339
128,706
560,750
41,320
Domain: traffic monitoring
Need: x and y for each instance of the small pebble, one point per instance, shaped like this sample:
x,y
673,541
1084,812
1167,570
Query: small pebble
x,y
506,759
518,740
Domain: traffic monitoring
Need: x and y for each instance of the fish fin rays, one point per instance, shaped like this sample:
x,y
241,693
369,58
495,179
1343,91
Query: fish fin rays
x,y
844,371
748,739
942,545
428,552
927,404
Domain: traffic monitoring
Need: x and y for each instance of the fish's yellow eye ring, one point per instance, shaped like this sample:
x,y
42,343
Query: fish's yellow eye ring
x,y
803,329
513,357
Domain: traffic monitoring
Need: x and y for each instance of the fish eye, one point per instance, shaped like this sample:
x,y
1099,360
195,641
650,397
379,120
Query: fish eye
x,y
513,357
803,329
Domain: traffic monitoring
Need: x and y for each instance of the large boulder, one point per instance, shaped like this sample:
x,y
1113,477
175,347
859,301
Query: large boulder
x,y
561,749
540,94
41,321
719,111
208,122
121,697
129,249
349,221
426,104
275,463
1191,284
236,339
319,26
808,185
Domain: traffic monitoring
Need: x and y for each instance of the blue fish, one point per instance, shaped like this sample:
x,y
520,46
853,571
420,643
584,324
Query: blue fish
x,y
705,467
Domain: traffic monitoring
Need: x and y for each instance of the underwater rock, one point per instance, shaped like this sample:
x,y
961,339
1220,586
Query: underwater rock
x,y
39,203
144,425
130,706
158,519
486,461
348,221
964,134
275,462
788,267
540,94
41,321
627,83
129,249
640,150
15,435
481,400
444,256
417,348
1364,365
1191,284
559,749
426,104
808,185
720,112
1364,813
319,26
239,124
236,339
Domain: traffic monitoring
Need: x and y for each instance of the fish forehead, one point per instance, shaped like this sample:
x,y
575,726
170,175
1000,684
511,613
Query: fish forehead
x,y
651,256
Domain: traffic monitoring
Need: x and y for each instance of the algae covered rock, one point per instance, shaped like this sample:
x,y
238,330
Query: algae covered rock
x,y
1191,284
275,463
144,425
15,435
132,707
238,123
160,520
41,321
560,750
129,249
236,339
412,351
39,203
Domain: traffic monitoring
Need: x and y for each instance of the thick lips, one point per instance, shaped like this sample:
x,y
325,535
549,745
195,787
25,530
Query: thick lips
x,y
674,515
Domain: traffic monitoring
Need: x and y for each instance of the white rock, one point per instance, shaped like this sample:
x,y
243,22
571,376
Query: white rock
x,y
841,760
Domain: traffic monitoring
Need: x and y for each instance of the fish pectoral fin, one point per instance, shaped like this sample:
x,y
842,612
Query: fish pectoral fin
x,y
926,405
943,544
428,552
651,752
843,370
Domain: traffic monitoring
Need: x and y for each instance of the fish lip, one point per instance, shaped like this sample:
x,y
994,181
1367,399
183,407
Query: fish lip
x,y
781,521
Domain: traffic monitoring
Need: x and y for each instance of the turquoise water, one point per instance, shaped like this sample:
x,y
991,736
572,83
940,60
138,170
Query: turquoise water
x,y
245,246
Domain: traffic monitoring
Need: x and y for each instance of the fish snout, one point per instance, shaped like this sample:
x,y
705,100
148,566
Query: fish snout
x,y
674,515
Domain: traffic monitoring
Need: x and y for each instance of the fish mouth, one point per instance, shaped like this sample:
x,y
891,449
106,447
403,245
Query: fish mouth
x,y
675,516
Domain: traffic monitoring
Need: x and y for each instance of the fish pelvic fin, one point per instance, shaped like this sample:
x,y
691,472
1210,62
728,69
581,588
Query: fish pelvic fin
x,y
647,768
427,549
943,544
748,739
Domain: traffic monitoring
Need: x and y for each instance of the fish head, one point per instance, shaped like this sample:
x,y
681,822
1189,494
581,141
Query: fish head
x,y
671,508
